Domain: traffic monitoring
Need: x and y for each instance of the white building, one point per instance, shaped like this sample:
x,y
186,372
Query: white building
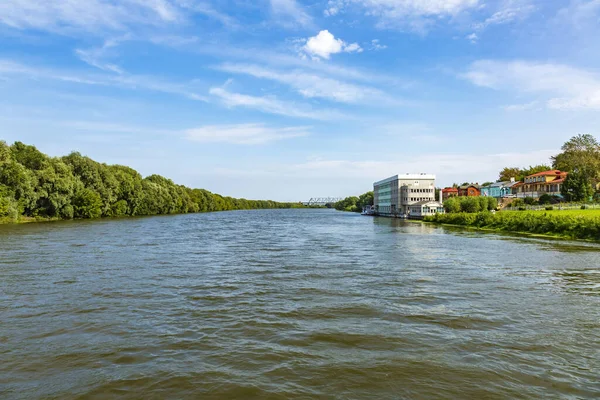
x,y
394,196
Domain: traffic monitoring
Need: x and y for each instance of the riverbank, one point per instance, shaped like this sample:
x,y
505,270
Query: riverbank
x,y
584,225
25,220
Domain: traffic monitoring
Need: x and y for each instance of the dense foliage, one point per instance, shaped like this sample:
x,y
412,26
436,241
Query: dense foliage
x,y
33,184
581,153
355,204
470,204
538,222
520,173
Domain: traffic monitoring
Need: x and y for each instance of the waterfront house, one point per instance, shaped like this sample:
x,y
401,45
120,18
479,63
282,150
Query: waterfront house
x,y
469,190
498,189
546,182
423,208
394,195
449,192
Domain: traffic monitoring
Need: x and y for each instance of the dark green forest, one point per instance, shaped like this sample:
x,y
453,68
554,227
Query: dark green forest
x,y
36,186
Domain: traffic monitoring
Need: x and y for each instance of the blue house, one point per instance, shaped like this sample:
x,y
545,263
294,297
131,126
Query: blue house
x,y
498,189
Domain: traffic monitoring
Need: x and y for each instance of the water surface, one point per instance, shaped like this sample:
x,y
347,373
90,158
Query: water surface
x,y
293,304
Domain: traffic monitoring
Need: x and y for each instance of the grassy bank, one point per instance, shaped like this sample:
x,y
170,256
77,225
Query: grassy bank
x,y
571,224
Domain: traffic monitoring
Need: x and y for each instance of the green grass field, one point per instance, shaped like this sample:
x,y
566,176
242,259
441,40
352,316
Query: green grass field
x,y
572,224
574,213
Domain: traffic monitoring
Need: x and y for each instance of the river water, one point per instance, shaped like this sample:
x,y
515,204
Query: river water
x,y
293,304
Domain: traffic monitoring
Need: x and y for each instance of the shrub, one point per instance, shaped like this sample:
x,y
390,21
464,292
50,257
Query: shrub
x,y
522,209
545,199
517,203
529,201
584,207
549,208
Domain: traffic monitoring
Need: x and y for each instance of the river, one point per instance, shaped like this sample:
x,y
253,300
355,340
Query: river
x,y
293,304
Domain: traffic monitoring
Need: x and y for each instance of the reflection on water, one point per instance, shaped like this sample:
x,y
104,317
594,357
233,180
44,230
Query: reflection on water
x,y
285,304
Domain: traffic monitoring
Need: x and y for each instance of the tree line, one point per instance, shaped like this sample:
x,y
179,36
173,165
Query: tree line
x,y
355,204
33,184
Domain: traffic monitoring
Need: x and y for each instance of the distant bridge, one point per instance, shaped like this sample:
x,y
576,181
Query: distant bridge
x,y
321,201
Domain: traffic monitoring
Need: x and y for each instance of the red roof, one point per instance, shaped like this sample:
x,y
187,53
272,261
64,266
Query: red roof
x,y
553,172
446,190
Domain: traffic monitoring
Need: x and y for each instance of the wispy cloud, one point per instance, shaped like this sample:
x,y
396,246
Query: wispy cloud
x,y
90,15
96,56
508,11
415,15
101,16
245,134
11,69
272,105
313,86
290,13
565,87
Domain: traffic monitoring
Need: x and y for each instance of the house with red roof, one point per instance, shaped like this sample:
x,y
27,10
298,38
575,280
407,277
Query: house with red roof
x,y
449,192
546,182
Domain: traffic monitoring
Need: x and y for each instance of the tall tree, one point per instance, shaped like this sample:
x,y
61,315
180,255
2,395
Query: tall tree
x,y
577,186
581,153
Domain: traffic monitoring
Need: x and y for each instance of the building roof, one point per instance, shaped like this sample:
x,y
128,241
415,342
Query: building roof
x,y
468,186
502,184
425,202
404,176
552,172
449,189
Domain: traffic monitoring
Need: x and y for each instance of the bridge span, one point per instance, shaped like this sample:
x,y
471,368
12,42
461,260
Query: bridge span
x,y
321,201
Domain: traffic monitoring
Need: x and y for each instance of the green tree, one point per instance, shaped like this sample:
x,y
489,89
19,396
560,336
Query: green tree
x,y
581,152
364,200
452,205
470,205
520,173
87,204
577,186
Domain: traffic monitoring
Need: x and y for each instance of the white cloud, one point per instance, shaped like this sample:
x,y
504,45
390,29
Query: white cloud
x,y
313,86
473,38
376,45
289,12
272,105
566,87
324,44
245,133
505,16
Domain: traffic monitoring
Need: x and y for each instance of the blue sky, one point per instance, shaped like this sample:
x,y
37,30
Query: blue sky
x,y
289,100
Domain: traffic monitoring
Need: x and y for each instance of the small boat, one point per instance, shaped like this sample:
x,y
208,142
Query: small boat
x,y
368,210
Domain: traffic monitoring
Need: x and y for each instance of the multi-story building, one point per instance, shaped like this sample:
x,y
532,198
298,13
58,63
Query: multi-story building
x,y
394,196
